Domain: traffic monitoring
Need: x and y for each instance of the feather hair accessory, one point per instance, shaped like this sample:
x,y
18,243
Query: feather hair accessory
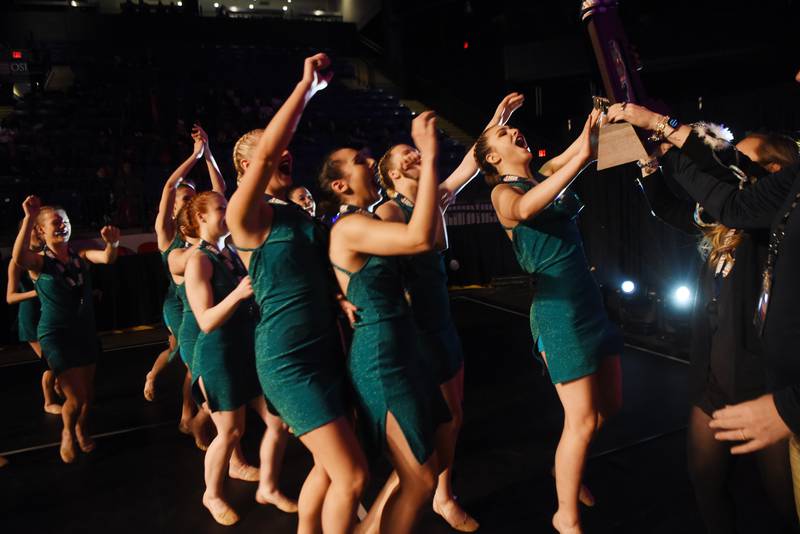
x,y
716,136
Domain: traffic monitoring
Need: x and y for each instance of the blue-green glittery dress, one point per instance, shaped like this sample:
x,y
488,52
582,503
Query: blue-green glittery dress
x,y
225,357
386,365
66,331
172,311
298,349
189,330
28,312
425,280
568,321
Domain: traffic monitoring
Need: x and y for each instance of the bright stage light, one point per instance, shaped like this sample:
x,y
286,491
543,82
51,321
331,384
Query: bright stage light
x,y
251,6
180,4
286,8
73,3
216,5
234,9
682,296
318,12
628,287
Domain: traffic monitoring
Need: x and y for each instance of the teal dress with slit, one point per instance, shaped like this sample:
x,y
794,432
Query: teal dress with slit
x,y
225,357
567,318
298,348
386,366
66,331
172,310
28,312
425,281
189,330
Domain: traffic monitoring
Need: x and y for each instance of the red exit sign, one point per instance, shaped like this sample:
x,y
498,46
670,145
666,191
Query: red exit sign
x,y
16,54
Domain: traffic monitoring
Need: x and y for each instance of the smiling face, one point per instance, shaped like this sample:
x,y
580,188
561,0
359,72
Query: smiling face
x,y
302,197
281,178
207,212
506,149
404,162
355,176
53,226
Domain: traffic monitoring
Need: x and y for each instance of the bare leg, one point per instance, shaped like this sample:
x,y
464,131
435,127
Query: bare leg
x,y
337,452
580,399
444,501
75,392
188,406
273,446
776,474
417,482
85,440
161,362
311,501
51,404
371,523
239,469
230,426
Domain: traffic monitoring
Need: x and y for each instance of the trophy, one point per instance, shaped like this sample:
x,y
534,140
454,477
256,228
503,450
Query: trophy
x,y
617,143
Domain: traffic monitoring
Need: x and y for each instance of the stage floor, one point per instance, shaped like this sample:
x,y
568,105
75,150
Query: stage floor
x,y
146,476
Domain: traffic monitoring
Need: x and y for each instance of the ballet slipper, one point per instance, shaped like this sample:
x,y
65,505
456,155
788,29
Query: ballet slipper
x,y
86,444
245,472
149,388
52,408
278,500
584,495
67,449
456,516
221,511
200,445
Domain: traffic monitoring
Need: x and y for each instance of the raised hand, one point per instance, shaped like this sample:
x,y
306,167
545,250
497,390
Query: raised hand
x,y
245,289
199,132
511,103
587,148
109,234
423,132
199,143
31,206
315,73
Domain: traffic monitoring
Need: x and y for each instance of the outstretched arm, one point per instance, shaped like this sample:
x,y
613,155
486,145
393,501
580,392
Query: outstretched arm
x,y
217,181
520,207
110,236
243,214
21,253
12,295
468,169
199,271
165,224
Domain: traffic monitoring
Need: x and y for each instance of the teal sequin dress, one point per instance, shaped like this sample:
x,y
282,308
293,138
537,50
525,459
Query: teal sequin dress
x,y
568,321
66,331
298,349
172,311
189,330
425,280
225,357
28,312
386,366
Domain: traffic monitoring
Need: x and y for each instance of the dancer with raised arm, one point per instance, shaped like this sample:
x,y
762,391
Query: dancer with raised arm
x,y
425,282
298,354
176,193
66,329
20,290
400,404
568,321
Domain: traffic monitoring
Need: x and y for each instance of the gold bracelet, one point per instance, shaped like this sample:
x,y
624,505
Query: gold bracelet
x,y
658,131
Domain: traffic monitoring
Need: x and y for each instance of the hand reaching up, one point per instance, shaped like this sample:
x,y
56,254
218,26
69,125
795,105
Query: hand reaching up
x,y
315,73
31,206
423,132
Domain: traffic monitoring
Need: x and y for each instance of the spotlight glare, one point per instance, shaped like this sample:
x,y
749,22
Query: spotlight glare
x,y
251,6
180,4
286,8
234,9
216,5
74,3
318,12
628,287
682,296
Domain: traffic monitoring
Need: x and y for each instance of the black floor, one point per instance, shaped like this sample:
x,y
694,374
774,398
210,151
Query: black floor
x,y
146,477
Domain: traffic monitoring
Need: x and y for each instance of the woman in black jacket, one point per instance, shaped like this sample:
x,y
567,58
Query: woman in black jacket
x,y
726,366
770,203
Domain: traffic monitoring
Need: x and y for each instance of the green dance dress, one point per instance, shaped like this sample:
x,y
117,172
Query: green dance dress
x,y
172,311
425,281
386,366
28,312
568,321
189,330
298,349
225,357
66,331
